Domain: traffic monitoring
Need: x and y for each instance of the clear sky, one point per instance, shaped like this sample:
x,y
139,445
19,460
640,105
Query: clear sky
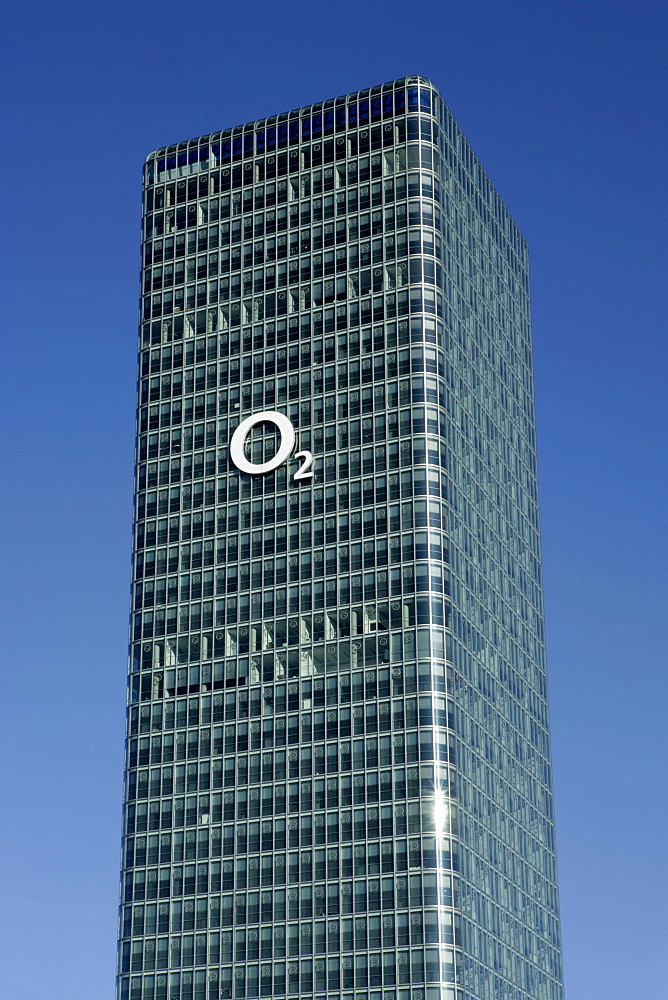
x,y
564,102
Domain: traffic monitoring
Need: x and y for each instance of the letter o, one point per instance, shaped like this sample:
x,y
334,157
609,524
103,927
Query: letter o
x,y
238,442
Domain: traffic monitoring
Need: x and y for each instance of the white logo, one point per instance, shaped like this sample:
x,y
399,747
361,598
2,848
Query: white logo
x,y
285,449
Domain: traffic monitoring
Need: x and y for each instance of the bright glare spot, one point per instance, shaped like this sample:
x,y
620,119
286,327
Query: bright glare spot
x,y
441,812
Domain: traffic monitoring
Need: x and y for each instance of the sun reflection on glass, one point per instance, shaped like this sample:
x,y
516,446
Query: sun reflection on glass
x,y
441,812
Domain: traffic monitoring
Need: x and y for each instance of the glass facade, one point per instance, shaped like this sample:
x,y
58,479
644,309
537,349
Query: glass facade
x,y
338,768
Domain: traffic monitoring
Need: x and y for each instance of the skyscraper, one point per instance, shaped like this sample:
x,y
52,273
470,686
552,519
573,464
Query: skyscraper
x,y
338,764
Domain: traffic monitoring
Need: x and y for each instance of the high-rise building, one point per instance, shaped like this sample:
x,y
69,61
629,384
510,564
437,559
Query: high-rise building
x,y
338,761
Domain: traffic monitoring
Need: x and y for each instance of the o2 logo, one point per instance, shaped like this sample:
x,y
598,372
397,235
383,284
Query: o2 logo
x,y
287,437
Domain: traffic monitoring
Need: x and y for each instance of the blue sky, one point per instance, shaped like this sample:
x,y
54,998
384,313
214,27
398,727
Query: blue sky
x,y
565,105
